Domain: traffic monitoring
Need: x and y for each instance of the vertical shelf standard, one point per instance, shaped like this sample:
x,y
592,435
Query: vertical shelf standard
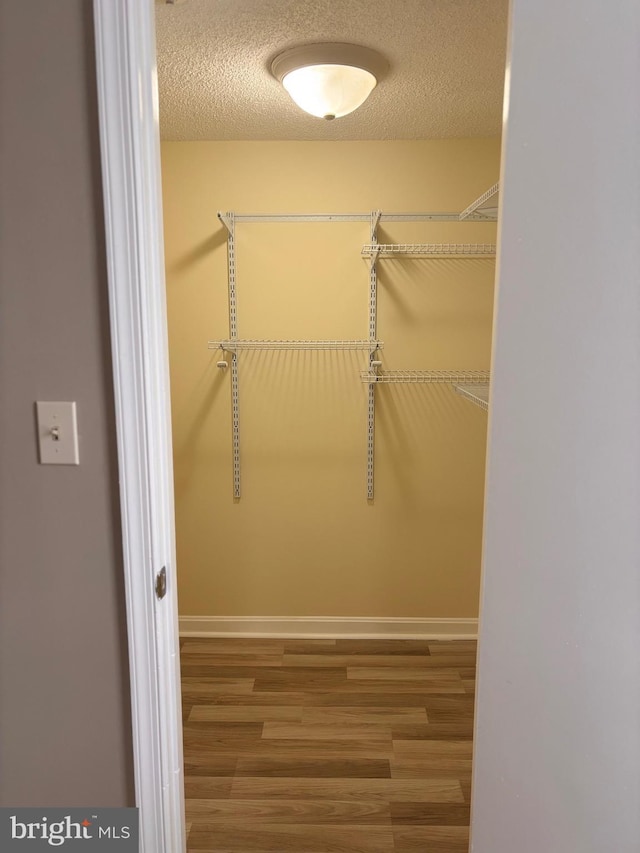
x,y
229,221
373,358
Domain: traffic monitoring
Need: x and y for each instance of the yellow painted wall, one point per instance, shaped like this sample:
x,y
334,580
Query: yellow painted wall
x,y
303,540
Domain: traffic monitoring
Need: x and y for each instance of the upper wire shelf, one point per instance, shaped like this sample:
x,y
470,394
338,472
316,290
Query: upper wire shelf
x,y
479,209
449,377
349,217
234,346
426,250
477,394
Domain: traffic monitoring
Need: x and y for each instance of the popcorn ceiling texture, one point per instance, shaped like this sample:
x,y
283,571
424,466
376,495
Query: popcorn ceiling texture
x,y
446,77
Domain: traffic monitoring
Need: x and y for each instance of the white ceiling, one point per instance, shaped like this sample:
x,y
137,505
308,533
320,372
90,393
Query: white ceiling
x,y
446,76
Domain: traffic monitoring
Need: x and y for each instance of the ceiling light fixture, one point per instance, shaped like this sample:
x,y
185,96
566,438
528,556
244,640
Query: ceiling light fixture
x,y
329,80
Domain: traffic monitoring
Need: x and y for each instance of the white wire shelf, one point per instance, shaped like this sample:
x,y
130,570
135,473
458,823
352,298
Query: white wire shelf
x,y
235,346
477,394
428,250
448,377
480,209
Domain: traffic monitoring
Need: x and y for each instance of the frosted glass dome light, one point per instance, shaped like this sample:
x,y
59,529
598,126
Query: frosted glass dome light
x,y
329,80
329,91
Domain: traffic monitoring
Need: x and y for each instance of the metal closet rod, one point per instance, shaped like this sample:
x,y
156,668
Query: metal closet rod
x,y
351,217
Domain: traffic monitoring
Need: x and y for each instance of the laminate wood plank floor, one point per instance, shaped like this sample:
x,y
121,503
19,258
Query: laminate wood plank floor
x,y
327,746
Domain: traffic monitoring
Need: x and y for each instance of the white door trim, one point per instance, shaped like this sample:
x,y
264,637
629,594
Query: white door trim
x,y
129,141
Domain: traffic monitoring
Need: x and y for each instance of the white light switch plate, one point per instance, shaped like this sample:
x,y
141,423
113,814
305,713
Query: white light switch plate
x,y
57,433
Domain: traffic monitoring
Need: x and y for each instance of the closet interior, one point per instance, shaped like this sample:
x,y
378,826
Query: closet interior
x,y
330,304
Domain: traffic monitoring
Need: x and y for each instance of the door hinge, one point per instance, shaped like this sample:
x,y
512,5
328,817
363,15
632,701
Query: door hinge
x,y
161,583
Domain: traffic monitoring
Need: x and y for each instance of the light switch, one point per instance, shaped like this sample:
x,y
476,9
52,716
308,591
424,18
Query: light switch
x,y
57,433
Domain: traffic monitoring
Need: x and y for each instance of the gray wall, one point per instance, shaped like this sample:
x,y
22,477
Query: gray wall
x,y
557,762
64,697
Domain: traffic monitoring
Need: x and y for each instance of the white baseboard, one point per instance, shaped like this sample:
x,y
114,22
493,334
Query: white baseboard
x,y
328,627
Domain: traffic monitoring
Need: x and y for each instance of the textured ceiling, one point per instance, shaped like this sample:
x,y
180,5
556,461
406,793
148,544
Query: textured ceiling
x,y
446,76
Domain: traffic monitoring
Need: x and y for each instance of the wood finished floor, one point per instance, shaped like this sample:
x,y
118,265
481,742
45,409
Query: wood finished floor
x,y
327,746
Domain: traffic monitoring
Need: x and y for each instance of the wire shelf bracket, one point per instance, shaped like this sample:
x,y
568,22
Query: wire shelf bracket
x,y
477,210
228,221
476,394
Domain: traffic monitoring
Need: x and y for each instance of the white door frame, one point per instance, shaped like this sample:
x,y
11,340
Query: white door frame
x,y
129,142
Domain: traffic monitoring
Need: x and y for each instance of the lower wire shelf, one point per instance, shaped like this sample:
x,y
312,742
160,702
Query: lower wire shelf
x,y
449,377
428,250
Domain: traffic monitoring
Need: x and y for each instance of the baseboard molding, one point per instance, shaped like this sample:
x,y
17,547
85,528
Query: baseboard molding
x,y
328,627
